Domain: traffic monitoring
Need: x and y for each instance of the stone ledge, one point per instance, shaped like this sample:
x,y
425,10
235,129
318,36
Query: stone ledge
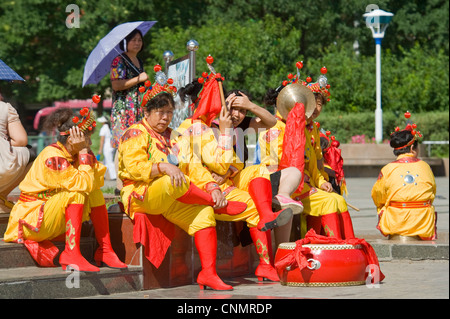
x,y
49,283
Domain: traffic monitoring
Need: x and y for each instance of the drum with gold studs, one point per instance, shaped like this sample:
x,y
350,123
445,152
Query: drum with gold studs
x,y
328,265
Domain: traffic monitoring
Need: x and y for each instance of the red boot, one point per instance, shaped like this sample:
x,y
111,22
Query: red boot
x,y
263,244
206,243
346,225
104,253
71,254
331,225
314,222
195,195
260,191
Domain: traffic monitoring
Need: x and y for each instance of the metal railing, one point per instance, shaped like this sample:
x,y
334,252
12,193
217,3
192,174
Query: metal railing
x,y
430,143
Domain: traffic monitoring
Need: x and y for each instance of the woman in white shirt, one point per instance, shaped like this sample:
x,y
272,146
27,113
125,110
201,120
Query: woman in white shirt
x,y
106,148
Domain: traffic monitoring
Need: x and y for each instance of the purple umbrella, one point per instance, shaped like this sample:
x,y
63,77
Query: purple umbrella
x,y
8,74
99,61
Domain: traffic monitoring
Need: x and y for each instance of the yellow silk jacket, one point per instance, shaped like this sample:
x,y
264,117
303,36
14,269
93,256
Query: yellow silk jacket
x,y
53,171
207,154
404,194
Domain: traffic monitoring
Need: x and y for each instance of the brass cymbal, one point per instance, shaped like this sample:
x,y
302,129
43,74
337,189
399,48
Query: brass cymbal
x,y
292,94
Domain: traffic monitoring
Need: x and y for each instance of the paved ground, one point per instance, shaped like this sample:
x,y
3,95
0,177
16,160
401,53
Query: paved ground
x,y
405,279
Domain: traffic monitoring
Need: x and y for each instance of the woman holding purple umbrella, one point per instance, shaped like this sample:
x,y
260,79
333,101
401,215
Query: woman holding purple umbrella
x,y
127,72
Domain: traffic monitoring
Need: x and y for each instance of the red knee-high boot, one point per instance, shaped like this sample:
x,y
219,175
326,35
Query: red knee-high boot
x,y
260,191
206,244
314,222
331,225
265,269
195,195
71,254
104,253
346,225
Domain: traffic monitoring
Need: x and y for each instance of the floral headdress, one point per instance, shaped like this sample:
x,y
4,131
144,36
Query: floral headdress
x,y
409,127
87,121
162,84
320,86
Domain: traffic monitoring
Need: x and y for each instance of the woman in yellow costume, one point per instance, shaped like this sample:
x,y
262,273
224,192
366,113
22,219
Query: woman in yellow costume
x,y
322,207
283,182
62,190
155,185
259,215
405,190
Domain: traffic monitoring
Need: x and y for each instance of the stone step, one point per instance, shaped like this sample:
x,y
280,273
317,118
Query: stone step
x,y
14,255
48,283
396,249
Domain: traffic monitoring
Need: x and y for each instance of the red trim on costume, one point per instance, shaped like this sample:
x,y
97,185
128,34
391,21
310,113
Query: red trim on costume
x,y
418,204
209,187
312,191
228,190
26,198
137,196
57,163
36,228
409,159
131,133
86,159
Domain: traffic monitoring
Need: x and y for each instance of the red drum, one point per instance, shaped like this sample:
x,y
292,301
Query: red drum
x,y
328,265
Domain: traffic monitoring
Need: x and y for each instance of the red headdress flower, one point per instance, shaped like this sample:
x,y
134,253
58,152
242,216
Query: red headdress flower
x,y
162,84
320,86
87,121
409,127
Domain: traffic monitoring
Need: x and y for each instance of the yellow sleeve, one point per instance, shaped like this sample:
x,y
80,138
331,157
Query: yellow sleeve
x,y
316,146
317,179
58,173
271,144
378,191
216,154
135,155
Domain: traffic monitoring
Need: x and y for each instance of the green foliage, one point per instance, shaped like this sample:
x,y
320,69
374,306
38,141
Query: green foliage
x,y
255,44
434,126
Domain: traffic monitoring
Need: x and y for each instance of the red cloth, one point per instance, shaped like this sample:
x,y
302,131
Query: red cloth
x,y
333,157
297,258
294,141
155,233
209,100
43,252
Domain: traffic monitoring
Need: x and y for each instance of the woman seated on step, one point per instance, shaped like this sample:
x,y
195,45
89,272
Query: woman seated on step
x,y
61,191
154,185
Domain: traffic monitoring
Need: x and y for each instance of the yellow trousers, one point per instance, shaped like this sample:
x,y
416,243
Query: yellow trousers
x,y
323,203
250,215
245,176
53,220
159,198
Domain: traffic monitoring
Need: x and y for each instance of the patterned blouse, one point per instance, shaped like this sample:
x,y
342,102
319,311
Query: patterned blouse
x,y
126,108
